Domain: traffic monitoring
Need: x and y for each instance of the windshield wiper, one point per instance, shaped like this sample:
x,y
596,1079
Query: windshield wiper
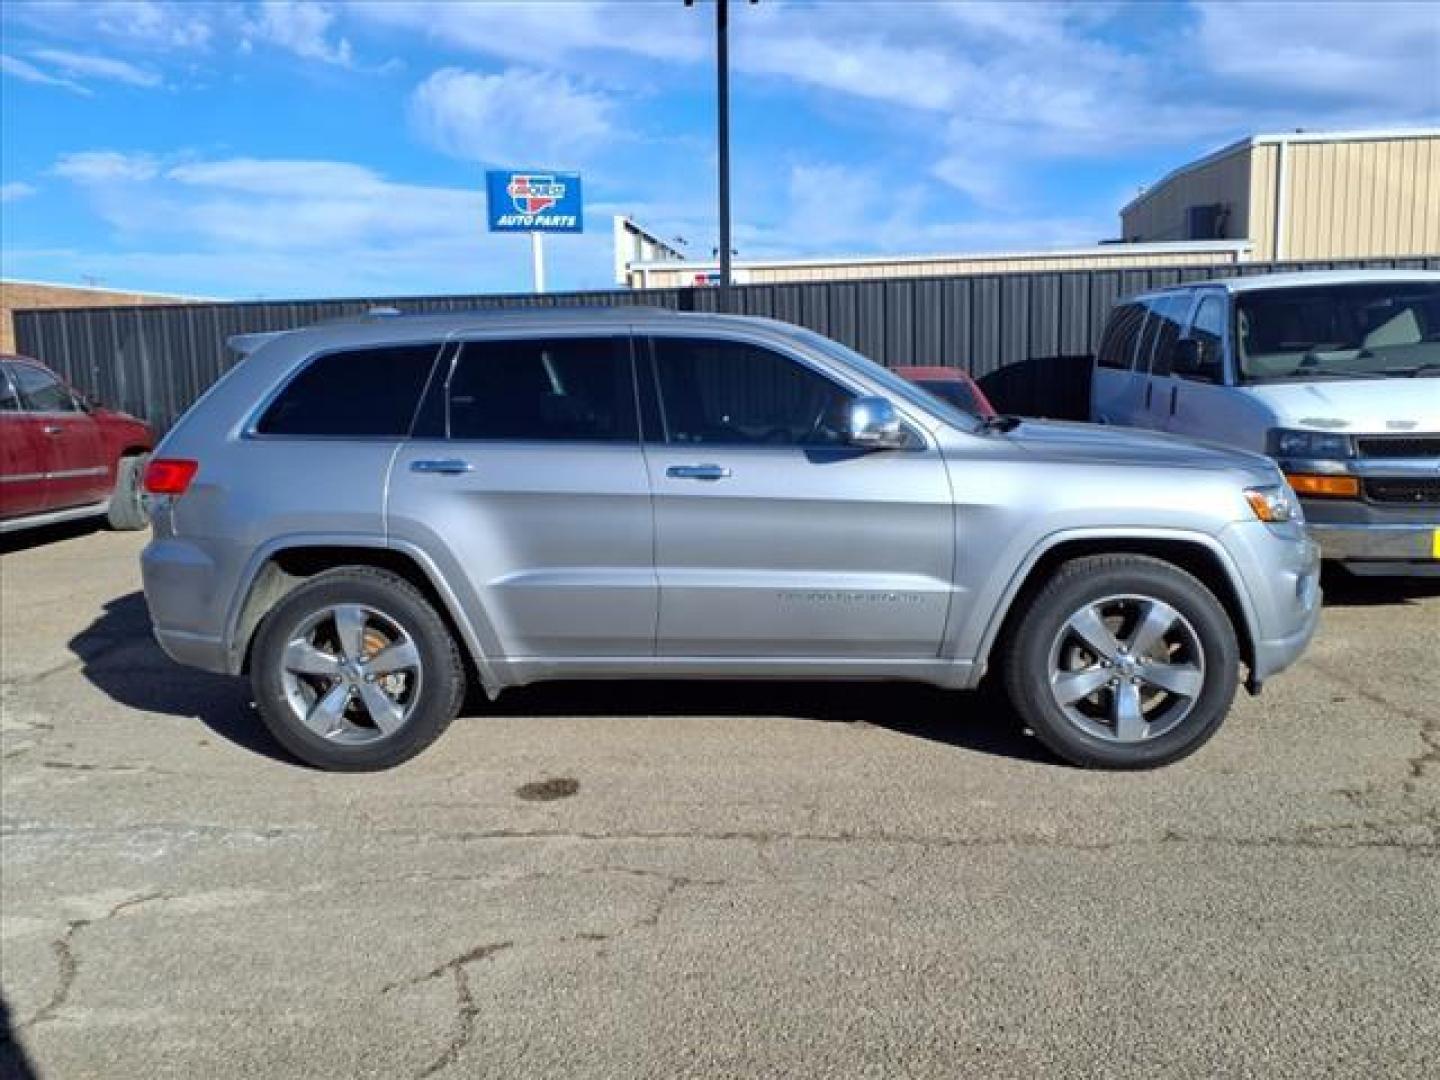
x,y
1001,424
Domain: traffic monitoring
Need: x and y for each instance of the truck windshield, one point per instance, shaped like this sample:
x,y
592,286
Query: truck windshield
x,y
1361,331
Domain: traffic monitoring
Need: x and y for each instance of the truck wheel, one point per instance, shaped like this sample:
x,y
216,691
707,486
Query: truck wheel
x,y
127,504
1123,662
355,671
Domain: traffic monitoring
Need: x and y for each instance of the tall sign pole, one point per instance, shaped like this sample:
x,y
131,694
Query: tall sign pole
x,y
722,89
537,259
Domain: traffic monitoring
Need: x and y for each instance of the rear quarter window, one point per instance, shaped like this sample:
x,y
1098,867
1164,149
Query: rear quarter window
x,y
353,392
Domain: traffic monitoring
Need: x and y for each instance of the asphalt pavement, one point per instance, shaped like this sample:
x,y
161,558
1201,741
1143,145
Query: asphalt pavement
x,y
707,880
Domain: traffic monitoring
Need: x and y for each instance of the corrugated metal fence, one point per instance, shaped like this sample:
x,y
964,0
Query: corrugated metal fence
x,y
1027,337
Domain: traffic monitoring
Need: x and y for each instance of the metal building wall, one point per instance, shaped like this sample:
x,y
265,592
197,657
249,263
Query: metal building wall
x,y
1026,337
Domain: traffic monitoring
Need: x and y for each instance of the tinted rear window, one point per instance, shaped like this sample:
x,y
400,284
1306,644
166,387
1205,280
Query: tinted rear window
x,y
547,389
358,392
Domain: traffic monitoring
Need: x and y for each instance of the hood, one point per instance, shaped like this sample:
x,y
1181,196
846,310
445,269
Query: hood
x,y
1100,444
1357,406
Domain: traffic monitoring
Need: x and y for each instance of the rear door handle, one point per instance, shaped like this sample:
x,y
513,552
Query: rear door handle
x,y
445,466
1174,397
697,472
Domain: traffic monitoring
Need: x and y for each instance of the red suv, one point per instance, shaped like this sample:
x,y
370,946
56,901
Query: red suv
x,y
951,384
63,458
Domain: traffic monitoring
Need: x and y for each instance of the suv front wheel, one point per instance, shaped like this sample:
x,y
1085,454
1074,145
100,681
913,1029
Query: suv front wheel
x,y
355,670
1123,662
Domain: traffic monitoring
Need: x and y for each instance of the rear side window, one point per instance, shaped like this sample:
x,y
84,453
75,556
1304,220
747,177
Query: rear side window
x,y
357,392
9,400
1117,347
546,389
41,391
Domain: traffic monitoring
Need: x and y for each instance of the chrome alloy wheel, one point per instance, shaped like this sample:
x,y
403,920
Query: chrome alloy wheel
x,y
351,674
1126,668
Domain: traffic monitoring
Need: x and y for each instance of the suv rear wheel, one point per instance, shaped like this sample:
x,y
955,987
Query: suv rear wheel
x,y
354,671
1123,662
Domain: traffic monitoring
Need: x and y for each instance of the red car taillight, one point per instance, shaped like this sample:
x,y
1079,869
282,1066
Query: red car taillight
x,y
169,476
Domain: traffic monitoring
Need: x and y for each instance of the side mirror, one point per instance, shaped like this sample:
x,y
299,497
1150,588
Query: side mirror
x,y
874,425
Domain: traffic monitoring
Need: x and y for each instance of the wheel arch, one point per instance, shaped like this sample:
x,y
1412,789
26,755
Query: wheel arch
x,y
284,565
1197,554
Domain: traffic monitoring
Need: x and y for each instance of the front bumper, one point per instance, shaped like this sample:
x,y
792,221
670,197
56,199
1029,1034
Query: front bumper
x,y
1280,567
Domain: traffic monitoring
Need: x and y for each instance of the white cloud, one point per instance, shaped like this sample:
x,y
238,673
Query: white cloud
x,y
28,72
105,167
149,24
16,190
83,66
244,226
516,116
303,27
546,33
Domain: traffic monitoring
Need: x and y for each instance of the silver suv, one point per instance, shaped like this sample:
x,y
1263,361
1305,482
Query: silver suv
x,y
366,517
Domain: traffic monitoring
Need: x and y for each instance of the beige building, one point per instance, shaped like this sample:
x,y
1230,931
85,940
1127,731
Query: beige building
x,y
1304,195
668,273
22,295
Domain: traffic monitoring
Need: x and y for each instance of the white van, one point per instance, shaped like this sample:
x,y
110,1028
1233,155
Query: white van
x,y
1335,374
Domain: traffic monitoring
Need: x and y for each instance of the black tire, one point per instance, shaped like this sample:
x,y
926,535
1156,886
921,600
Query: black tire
x,y
441,687
1081,582
127,504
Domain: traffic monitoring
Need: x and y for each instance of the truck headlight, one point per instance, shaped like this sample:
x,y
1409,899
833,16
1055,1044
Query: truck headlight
x,y
1273,504
1292,443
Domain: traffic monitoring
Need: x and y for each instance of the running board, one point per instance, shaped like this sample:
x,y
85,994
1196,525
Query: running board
x,y
55,517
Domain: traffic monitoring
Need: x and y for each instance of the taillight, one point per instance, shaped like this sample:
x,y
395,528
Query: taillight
x,y
169,476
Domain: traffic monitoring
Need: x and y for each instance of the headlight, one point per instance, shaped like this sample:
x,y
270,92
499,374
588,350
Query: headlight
x,y
1273,504
1289,443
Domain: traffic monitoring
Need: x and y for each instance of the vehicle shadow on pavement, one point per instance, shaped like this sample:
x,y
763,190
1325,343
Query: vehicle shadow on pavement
x,y
120,657
14,1062
1344,589
25,539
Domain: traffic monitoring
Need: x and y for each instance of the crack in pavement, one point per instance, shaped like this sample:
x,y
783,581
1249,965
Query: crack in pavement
x,y
466,1011
69,967
1418,764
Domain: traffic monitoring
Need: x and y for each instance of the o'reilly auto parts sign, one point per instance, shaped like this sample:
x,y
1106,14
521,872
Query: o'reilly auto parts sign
x,y
533,200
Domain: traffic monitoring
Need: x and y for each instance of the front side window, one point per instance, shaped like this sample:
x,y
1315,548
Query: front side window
x,y
547,389
1208,332
1170,312
1358,331
731,393
357,393
41,391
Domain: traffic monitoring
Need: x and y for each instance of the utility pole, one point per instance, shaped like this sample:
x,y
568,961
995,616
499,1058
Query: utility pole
x,y
722,93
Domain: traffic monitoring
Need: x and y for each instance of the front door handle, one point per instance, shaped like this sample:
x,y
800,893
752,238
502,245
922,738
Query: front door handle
x,y
53,429
1174,397
445,466
697,472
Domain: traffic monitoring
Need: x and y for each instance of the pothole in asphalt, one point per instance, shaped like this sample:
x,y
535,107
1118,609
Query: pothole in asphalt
x,y
556,787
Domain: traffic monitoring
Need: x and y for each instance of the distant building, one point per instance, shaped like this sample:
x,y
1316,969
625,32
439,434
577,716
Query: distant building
x,y
21,295
668,273
1304,195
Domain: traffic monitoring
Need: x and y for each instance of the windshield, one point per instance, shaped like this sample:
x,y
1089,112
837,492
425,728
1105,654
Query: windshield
x,y
895,384
1363,331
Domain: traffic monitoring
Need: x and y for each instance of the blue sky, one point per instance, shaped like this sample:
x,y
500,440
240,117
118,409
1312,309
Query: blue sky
x,y
312,149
